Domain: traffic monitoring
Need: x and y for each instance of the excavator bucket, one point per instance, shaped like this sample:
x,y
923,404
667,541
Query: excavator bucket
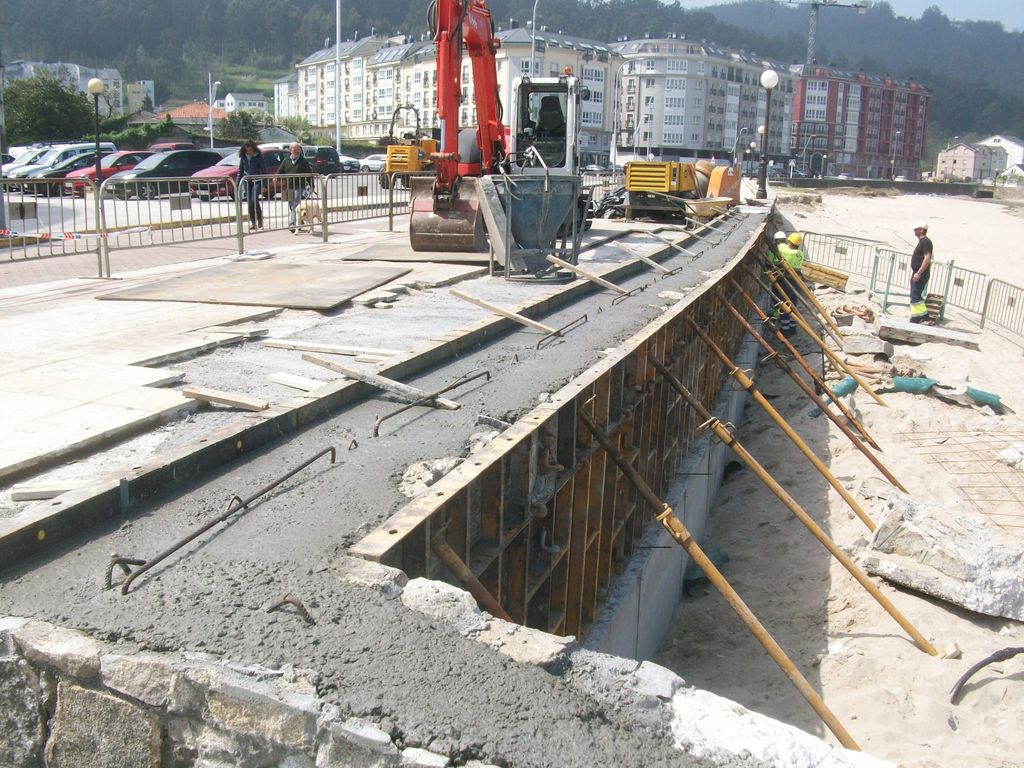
x,y
459,227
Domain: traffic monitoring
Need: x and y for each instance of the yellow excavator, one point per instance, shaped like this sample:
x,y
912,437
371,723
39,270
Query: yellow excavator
x,y
409,154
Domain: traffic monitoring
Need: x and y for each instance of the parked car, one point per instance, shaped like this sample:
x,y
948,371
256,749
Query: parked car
x,y
326,160
594,168
215,181
55,175
844,176
170,146
348,164
75,182
27,157
374,163
900,178
6,158
58,154
179,163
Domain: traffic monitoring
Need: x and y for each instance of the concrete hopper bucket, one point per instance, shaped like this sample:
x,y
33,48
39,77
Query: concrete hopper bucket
x,y
457,227
525,217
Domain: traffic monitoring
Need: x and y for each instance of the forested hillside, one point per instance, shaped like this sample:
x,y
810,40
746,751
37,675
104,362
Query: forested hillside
x,y
974,68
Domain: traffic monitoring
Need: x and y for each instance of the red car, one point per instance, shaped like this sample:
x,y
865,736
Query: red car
x,y
216,181
74,182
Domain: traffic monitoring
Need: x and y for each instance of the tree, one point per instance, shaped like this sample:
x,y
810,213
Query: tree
x,y
43,108
299,126
243,124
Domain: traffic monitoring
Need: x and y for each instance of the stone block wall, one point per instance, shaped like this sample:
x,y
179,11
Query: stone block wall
x,y
68,701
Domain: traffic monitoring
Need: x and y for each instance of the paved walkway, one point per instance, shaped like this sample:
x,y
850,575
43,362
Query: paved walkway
x,y
33,271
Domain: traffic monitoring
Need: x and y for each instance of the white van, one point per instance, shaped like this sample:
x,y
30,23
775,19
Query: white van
x,y
58,153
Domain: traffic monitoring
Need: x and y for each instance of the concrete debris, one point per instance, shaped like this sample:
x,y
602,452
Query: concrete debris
x,y
252,256
423,474
443,602
421,758
866,345
101,731
655,680
672,295
948,555
491,421
708,726
363,573
148,678
526,646
1013,456
365,734
480,440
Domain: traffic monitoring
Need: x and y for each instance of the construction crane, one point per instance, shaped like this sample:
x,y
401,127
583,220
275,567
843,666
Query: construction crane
x,y
812,32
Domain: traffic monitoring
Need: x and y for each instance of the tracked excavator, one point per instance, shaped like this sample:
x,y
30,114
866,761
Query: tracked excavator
x,y
514,187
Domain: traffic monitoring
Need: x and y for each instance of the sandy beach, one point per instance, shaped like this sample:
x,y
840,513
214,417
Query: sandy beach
x,y
893,698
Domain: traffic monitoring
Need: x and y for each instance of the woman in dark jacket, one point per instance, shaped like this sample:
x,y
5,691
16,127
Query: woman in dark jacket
x,y
250,163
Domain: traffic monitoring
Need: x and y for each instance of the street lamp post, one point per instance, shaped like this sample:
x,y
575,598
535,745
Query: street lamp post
x,y
892,163
533,41
209,111
769,79
649,130
824,166
95,87
736,144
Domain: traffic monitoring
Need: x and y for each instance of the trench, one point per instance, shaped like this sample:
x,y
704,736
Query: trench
x,y
541,515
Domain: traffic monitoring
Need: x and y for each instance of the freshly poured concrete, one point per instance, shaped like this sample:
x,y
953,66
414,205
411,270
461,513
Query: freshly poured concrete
x,y
417,679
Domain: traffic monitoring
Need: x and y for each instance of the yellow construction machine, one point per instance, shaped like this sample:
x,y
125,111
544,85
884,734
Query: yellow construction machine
x,y
672,189
409,154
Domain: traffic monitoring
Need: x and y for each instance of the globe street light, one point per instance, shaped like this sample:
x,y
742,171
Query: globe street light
x,y
751,150
209,112
95,87
769,79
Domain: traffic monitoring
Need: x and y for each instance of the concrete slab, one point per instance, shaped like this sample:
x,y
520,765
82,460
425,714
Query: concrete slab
x,y
267,283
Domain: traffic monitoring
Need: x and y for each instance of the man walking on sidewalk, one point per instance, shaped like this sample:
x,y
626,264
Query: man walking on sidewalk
x,y
294,187
920,271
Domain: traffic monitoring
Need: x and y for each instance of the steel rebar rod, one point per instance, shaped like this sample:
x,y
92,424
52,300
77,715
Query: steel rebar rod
x,y
802,362
836,361
428,398
671,522
747,383
233,507
723,434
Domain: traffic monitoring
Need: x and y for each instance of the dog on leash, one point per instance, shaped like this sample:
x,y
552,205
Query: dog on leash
x,y
307,213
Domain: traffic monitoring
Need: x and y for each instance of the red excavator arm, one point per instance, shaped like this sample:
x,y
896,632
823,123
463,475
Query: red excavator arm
x,y
466,25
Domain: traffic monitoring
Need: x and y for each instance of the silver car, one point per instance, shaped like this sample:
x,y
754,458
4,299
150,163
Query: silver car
x,y
373,163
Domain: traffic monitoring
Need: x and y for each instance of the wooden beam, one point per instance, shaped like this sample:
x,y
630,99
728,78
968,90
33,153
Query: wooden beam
x,y
671,244
296,382
245,402
330,349
587,276
503,312
411,394
649,262
37,492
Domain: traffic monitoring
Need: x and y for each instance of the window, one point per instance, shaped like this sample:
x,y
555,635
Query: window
x,y
649,82
649,65
700,68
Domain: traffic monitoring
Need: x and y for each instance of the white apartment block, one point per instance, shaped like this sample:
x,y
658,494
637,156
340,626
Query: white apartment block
x,y
682,98
75,74
235,101
286,97
675,98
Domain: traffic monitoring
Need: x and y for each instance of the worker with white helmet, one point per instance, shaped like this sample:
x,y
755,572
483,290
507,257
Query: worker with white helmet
x,y
920,271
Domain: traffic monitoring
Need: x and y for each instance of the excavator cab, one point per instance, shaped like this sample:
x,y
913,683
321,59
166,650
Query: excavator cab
x,y
544,112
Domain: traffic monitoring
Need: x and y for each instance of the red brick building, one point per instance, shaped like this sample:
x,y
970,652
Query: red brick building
x,y
864,125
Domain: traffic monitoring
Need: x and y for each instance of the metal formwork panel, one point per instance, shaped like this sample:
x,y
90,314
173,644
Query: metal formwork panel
x,y
542,516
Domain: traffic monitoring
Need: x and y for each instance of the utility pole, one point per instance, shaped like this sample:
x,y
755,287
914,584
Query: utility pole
x,y
812,31
3,145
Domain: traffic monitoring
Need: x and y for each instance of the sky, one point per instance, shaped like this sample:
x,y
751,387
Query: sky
x,y
1009,12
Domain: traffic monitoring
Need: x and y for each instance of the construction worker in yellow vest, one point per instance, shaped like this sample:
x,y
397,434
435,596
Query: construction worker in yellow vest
x,y
788,248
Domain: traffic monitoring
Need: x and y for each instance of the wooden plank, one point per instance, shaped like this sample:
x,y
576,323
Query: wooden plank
x,y
388,385
330,349
37,492
245,402
586,275
918,333
503,312
296,382
818,273
671,243
639,256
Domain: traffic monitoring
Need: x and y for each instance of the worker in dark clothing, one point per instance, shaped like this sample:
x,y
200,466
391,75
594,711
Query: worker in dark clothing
x,y
920,271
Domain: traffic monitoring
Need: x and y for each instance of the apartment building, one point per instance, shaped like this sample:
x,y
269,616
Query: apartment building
x,y
1013,147
864,125
687,99
379,75
970,162
78,76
